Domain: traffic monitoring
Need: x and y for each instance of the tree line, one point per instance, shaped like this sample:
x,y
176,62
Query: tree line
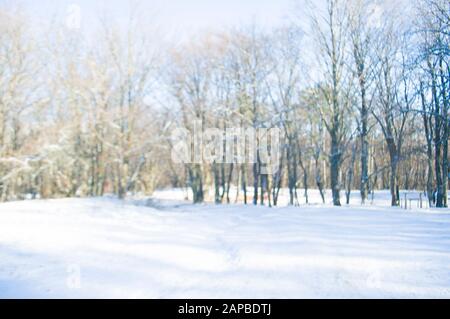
x,y
360,93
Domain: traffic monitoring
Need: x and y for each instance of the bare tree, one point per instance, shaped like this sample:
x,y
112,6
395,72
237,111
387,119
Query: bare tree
x,y
361,35
331,39
393,101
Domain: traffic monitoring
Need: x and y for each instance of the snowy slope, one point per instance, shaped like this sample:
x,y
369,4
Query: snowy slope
x,y
108,248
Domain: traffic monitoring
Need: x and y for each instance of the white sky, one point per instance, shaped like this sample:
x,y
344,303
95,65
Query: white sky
x,y
181,18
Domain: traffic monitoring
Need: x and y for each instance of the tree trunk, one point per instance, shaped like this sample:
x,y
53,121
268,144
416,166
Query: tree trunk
x,y
255,183
364,188
350,175
364,115
335,169
263,182
393,180
305,177
230,176
196,181
216,176
429,136
277,183
437,141
244,182
319,180
292,173
445,133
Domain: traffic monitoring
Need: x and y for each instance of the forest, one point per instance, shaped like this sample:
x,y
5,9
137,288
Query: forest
x,y
359,90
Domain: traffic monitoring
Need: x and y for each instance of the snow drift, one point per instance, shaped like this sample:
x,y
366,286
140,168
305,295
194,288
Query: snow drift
x,y
106,248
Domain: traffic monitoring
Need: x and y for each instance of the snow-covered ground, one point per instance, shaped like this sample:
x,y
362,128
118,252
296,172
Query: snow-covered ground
x,y
167,248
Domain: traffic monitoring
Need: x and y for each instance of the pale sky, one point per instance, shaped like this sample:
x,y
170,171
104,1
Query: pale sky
x,y
180,17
